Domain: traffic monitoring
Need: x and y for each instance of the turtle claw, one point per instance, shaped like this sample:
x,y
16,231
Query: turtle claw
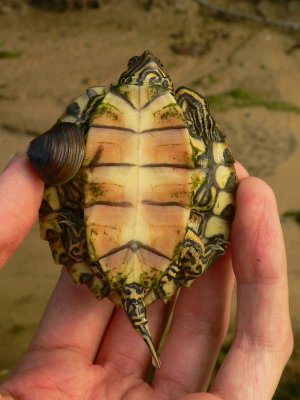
x,y
134,306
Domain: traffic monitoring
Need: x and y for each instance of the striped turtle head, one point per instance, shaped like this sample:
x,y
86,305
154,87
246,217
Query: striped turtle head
x,y
146,69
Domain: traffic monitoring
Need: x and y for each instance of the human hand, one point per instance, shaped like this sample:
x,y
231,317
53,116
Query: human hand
x,y
87,350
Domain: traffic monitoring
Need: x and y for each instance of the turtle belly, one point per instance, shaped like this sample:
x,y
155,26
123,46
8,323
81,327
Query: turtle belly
x,y
137,186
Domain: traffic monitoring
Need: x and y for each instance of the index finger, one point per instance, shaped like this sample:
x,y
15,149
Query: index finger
x,y
20,196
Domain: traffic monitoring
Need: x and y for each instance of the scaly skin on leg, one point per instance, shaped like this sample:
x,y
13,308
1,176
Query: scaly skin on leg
x,y
196,256
169,283
194,259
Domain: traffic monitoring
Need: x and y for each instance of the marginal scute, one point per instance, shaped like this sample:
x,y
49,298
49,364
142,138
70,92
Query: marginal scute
x,y
52,199
198,146
204,198
195,221
216,226
219,149
49,223
223,174
223,200
73,109
78,270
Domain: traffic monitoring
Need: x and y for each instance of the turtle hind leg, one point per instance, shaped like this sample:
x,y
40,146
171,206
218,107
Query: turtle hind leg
x,y
196,256
134,306
169,283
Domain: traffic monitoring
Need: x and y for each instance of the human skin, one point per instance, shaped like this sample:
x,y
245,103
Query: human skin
x,y
87,350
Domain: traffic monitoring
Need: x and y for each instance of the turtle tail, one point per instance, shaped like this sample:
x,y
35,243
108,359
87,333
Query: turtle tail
x,y
134,306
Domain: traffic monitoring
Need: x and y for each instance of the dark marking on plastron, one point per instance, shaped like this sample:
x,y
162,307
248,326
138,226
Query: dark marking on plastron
x,y
111,204
164,128
165,165
118,128
113,165
164,203
96,158
135,245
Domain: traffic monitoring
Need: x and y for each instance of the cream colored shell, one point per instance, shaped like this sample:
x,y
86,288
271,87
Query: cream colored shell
x,y
137,184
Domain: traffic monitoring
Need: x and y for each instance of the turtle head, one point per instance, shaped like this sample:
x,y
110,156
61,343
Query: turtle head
x,y
146,69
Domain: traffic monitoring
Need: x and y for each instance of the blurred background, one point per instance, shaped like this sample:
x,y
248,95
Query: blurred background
x,y
243,56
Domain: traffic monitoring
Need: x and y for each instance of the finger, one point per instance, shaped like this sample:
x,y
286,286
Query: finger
x,y
200,322
263,338
124,349
74,320
240,170
20,193
199,326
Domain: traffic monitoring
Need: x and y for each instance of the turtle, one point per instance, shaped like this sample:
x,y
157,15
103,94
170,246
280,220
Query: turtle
x,y
139,189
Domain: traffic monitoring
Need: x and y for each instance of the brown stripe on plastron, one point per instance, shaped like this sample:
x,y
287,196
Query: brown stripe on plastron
x,y
119,128
96,158
134,246
111,204
164,128
111,165
180,166
163,203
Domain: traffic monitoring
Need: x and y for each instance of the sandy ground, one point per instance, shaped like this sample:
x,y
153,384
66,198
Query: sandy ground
x,y
59,55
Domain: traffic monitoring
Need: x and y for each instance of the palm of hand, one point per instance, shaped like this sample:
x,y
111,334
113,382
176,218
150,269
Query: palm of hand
x,y
103,358
86,350
63,374
66,374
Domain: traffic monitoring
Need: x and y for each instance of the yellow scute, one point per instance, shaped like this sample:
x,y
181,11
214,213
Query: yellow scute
x,y
108,228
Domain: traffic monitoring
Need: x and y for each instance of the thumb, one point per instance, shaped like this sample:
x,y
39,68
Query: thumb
x,y
20,196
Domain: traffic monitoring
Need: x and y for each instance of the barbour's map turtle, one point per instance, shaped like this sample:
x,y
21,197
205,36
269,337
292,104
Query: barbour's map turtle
x,y
139,193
